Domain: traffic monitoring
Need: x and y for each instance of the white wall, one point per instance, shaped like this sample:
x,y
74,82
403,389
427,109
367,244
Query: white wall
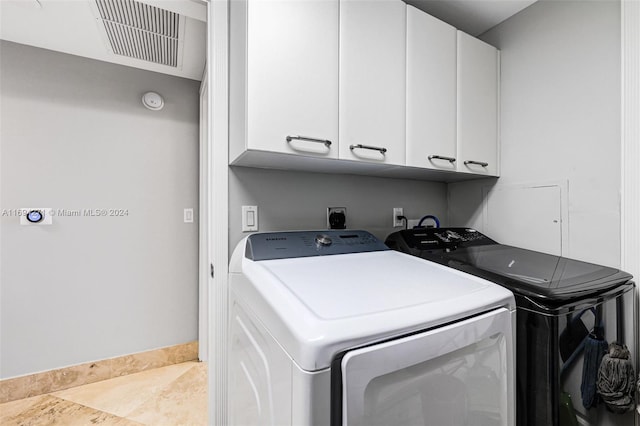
x,y
560,120
299,201
561,124
75,135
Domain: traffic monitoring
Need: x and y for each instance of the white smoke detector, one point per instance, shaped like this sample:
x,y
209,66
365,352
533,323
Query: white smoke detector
x,y
153,101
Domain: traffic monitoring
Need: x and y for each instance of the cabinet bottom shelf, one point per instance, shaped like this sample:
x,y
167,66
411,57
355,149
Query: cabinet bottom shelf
x,y
295,162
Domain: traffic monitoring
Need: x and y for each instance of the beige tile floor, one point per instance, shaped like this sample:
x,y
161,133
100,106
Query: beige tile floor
x,y
171,395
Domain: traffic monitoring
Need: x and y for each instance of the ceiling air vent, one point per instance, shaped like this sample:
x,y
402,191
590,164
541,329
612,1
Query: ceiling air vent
x,y
138,30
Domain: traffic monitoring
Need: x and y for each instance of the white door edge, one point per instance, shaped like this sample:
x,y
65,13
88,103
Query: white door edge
x,y
218,141
204,277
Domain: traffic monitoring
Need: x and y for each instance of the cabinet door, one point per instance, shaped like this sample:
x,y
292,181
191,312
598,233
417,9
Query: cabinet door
x,y
372,80
431,92
292,76
477,106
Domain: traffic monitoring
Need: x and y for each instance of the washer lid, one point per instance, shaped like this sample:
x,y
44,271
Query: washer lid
x,y
544,277
318,306
364,284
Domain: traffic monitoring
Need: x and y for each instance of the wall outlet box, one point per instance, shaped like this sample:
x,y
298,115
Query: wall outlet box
x,y
336,217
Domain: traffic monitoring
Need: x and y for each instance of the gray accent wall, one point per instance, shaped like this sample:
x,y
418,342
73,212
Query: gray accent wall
x,y
560,120
74,135
299,200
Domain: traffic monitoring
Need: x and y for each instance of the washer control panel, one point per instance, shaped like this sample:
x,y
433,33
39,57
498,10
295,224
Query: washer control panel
x,y
437,238
288,245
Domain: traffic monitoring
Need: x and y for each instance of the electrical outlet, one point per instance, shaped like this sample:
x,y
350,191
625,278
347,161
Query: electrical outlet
x,y
336,217
397,211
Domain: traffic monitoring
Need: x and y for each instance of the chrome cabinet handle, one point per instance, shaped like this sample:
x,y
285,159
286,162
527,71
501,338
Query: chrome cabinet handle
x,y
478,163
374,148
442,157
326,142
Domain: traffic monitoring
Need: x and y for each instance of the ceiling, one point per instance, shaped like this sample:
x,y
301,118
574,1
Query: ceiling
x,y
75,27
472,16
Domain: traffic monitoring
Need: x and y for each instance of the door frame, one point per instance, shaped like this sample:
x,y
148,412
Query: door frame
x,y
204,225
630,152
214,264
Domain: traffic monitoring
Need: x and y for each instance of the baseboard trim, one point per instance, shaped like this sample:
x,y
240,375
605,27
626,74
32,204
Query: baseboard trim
x,y
91,372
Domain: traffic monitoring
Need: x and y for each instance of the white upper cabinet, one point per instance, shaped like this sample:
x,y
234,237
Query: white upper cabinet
x,y
292,77
375,82
372,80
478,77
431,92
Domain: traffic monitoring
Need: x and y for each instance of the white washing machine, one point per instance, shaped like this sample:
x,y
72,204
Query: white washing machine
x,y
333,328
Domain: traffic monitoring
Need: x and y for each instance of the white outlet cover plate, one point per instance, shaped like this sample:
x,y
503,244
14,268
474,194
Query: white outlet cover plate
x,y
188,215
249,218
397,211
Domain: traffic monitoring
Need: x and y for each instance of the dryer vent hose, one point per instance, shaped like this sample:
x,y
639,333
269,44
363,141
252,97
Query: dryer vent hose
x,y
429,216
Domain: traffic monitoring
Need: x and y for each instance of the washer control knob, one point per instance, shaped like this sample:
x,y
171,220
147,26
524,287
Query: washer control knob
x,y
323,240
